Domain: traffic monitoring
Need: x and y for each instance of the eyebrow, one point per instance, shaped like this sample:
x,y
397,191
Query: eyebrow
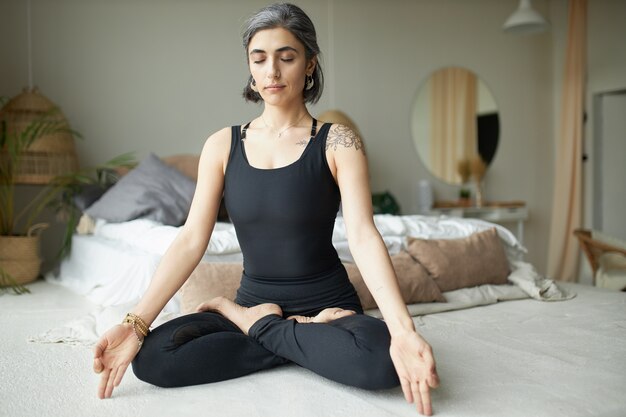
x,y
283,49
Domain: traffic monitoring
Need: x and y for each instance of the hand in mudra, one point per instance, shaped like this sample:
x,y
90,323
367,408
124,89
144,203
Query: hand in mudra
x,y
115,350
324,316
413,359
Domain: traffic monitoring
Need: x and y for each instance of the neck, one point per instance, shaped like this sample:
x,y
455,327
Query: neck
x,y
279,118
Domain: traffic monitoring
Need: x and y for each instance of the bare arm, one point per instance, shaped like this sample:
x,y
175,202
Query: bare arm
x,y
118,346
366,244
411,354
187,249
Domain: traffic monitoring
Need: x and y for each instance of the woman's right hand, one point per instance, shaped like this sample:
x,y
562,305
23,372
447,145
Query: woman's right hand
x,y
115,350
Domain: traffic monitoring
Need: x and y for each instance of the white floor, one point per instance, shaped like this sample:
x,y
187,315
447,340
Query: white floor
x,y
29,372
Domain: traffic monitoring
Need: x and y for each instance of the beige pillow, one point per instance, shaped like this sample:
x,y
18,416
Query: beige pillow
x,y
459,263
187,164
415,284
210,280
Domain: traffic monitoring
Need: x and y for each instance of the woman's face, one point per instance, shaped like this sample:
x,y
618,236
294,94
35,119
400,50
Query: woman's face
x,y
278,65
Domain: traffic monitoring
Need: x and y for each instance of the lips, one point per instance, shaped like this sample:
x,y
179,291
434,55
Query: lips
x,y
274,87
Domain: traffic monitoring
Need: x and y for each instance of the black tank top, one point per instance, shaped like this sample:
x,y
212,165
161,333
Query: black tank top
x,y
284,219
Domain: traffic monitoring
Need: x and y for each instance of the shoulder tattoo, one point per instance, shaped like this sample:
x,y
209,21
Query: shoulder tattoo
x,y
341,135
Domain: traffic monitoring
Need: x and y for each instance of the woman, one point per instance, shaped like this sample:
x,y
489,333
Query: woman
x,y
282,177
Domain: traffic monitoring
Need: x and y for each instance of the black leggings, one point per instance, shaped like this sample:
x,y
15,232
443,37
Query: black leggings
x,y
207,347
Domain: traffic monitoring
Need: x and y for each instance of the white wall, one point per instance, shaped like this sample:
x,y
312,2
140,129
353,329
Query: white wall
x,y
145,75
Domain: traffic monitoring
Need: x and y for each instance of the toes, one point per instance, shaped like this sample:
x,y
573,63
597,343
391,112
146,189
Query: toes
x,y
300,319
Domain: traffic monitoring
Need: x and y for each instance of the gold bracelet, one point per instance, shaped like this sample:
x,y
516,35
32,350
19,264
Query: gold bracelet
x,y
139,320
143,327
137,323
138,339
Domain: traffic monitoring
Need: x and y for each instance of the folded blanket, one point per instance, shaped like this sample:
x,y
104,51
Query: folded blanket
x,y
87,329
536,286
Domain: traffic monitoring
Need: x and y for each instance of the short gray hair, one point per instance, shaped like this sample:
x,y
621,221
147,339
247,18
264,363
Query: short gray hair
x,y
292,18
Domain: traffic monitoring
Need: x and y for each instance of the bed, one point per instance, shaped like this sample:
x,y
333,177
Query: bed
x,y
529,347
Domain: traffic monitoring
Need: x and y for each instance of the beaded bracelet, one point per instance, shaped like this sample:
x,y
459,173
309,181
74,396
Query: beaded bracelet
x,y
137,323
139,340
139,326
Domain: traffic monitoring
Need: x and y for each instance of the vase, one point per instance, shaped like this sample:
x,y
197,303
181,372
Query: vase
x,y
479,194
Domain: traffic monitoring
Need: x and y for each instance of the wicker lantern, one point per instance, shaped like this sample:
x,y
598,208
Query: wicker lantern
x,y
51,154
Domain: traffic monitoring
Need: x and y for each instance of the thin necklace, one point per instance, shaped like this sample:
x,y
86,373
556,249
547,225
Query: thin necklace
x,y
280,133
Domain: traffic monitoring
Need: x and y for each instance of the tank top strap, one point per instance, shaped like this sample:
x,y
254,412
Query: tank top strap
x,y
322,135
234,142
313,128
244,131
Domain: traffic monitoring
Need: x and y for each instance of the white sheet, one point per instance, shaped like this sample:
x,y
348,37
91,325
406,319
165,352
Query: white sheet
x,y
153,237
112,272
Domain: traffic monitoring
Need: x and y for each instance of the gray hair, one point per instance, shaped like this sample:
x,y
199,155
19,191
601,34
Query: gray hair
x,y
292,18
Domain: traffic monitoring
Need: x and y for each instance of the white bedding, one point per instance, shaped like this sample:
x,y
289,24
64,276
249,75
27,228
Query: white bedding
x,y
153,237
115,264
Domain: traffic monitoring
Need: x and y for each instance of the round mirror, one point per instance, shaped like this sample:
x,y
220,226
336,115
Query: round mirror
x,y
454,123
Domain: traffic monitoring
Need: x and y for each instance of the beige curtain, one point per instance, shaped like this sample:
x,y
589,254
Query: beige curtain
x,y
566,203
453,121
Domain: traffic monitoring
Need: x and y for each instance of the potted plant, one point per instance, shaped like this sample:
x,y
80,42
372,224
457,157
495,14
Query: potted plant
x,y
19,231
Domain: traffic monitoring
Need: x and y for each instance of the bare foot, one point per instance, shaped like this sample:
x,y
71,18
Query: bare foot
x,y
243,317
324,316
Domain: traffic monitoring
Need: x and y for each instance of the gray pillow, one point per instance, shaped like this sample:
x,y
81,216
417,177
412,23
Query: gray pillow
x,y
153,190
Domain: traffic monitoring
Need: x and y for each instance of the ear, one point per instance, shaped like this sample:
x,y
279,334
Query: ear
x,y
310,66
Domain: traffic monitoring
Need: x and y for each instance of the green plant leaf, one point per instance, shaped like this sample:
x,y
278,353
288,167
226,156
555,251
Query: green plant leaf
x,y
7,282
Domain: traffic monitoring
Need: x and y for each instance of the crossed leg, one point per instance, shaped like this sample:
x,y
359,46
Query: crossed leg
x,y
205,347
209,346
338,344
197,349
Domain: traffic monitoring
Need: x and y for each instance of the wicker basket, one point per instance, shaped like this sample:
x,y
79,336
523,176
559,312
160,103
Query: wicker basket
x,y
50,155
19,255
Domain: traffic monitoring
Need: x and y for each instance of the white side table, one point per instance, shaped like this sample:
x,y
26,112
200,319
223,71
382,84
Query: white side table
x,y
496,212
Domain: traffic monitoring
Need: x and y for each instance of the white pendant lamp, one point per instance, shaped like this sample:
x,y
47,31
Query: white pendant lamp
x,y
525,20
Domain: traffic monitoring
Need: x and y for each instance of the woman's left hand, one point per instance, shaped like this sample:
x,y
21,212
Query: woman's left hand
x,y
413,359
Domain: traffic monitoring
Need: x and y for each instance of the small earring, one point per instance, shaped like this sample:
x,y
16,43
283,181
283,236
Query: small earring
x,y
253,86
310,82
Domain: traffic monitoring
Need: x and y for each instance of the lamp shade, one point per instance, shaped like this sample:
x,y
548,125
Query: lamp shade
x,y
51,154
525,20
